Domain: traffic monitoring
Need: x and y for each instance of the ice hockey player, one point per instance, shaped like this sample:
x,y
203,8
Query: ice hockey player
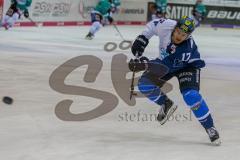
x,y
199,12
160,9
115,5
17,8
181,58
100,15
108,19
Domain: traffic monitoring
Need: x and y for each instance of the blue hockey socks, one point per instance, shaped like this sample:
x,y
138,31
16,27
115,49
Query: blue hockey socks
x,y
198,106
151,91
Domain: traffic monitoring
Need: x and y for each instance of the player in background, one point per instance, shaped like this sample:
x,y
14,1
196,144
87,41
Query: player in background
x,y
199,12
180,58
115,5
160,9
101,15
17,8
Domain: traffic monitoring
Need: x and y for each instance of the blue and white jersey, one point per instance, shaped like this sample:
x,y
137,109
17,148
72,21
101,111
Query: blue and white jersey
x,y
175,57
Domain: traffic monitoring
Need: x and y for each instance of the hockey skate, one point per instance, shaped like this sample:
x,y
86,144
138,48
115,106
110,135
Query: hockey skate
x,y
5,25
214,136
89,36
166,111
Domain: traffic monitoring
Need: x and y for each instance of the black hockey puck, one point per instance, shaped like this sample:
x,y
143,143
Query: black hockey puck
x,y
7,100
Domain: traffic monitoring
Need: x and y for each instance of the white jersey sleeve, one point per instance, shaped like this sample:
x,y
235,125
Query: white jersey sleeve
x,y
163,29
158,27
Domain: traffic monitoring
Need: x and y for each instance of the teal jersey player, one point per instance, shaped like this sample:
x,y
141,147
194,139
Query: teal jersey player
x,y
100,15
200,8
116,3
199,12
103,7
17,8
161,5
22,4
115,6
160,9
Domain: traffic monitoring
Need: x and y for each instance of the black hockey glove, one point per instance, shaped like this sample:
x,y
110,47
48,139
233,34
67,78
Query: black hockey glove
x,y
110,19
139,45
26,13
14,2
137,65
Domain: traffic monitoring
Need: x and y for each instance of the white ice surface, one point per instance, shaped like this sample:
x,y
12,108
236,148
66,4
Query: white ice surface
x,y
30,130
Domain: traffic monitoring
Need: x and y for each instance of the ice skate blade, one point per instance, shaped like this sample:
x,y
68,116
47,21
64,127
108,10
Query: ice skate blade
x,y
170,112
217,142
88,38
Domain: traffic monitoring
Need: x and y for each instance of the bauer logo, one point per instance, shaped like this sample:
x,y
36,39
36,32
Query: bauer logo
x,y
230,15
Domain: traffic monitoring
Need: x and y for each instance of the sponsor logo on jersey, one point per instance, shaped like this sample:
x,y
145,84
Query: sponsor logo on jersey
x,y
183,74
173,49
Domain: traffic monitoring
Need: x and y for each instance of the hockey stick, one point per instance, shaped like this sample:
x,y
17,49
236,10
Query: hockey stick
x,y
132,93
36,23
119,32
125,42
144,60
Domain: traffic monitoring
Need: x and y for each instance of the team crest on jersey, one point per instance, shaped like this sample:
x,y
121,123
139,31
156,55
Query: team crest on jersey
x,y
173,49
